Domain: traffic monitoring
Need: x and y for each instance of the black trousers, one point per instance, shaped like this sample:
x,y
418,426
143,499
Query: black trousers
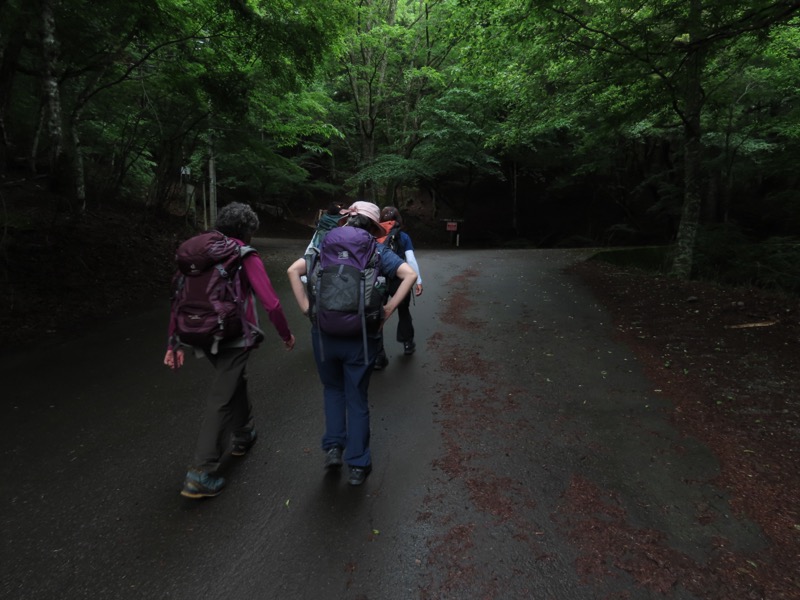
x,y
405,325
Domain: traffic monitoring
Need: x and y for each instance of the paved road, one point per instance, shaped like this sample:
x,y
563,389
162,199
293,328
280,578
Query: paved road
x,y
515,453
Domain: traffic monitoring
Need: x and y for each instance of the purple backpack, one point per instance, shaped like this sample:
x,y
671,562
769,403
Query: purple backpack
x,y
345,286
208,300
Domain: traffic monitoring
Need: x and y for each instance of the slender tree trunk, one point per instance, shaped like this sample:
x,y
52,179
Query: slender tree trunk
x,y
711,206
76,151
9,58
391,193
37,138
50,85
692,154
212,182
367,189
690,214
514,198
205,208
727,194
78,171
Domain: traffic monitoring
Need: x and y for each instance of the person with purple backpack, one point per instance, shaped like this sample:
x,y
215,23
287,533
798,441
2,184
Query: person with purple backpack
x,y
222,325
346,338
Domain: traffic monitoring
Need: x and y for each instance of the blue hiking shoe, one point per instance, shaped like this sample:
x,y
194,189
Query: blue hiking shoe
x,y
199,484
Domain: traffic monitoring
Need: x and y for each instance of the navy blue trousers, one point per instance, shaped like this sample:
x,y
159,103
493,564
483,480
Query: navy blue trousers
x,y
345,383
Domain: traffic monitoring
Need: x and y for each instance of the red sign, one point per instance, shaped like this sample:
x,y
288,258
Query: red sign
x,y
452,226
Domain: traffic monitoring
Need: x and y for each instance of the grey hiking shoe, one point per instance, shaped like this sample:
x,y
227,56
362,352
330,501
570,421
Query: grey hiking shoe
x,y
199,484
333,458
358,474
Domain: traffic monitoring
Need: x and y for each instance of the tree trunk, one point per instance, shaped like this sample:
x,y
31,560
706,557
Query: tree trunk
x,y
514,198
76,150
78,171
367,189
212,183
711,207
690,214
8,69
50,87
692,153
36,138
392,196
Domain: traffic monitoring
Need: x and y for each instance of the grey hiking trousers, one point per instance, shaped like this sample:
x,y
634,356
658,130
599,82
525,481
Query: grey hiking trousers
x,y
228,411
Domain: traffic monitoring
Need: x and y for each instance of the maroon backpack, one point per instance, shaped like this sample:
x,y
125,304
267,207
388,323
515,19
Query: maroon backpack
x,y
209,304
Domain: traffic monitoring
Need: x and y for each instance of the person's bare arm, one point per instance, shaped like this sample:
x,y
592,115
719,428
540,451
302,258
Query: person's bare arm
x,y
408,278
295,271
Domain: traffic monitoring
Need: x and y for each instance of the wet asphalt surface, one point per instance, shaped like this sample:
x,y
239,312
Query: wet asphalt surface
x,y
517,396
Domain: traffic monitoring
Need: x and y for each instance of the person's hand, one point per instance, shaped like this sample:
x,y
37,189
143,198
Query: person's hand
x,y
174,358
418,290
387,312
289,343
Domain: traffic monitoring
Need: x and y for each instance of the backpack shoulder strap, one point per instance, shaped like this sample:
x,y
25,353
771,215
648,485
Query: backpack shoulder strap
x,y
312,262
392,239
245,250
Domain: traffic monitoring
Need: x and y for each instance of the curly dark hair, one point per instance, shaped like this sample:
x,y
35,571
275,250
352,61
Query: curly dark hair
x,y
237,220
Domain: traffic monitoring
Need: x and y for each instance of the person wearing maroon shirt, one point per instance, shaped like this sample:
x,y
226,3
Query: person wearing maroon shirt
x,y
228,407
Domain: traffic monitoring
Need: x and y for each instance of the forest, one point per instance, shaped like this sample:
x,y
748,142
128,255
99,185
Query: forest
x,y
538,123
664,131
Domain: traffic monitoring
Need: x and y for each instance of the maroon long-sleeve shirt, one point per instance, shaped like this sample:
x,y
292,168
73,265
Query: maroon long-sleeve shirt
x,y
261,286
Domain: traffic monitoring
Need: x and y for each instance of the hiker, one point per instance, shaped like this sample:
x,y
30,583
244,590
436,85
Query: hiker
x,y
326,220
228,407
400,242
345,362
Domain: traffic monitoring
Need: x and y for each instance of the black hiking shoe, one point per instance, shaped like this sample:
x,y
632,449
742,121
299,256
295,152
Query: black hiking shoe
x,y
409,347
199,484
358,474
333,458
380,362
241,446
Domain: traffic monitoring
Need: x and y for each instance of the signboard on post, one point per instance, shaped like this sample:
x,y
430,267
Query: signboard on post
x,y
451,225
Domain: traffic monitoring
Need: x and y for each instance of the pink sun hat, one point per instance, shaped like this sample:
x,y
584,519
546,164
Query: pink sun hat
x,y
368,209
